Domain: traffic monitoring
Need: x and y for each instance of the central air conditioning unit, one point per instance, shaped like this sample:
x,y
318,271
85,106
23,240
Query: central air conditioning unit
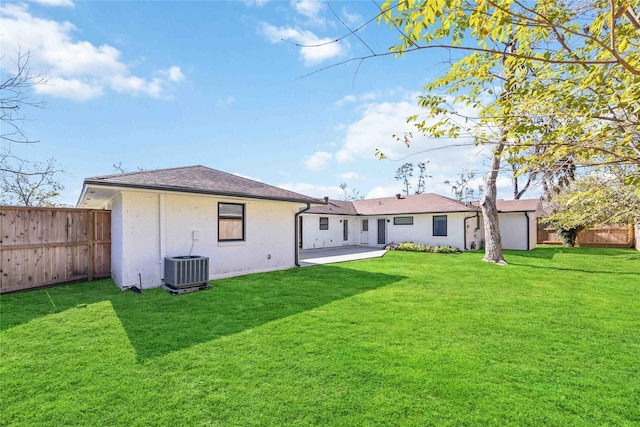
x,y
186,271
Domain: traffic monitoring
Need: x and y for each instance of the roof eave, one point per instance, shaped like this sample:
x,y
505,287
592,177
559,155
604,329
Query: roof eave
x,y
177,189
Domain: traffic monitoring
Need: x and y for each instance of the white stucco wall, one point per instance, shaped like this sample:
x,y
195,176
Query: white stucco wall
x,y
116,239
314,238
513,230
155,225
420,232
140,240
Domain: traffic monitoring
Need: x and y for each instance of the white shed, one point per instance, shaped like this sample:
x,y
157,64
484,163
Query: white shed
x,y
519,223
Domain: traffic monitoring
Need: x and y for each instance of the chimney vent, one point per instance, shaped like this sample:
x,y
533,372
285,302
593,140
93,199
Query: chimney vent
x,y
398,196
326,199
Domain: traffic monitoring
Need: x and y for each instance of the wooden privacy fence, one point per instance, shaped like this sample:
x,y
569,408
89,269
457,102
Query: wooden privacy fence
x,y
46,246
603,236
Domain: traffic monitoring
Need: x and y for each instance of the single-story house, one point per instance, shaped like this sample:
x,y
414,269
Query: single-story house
x,y
429,218
241,225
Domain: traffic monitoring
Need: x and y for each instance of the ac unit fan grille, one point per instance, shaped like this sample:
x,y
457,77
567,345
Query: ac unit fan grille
x,y
186,271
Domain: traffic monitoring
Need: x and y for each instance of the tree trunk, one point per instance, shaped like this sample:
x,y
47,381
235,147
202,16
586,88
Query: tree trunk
x,y
493,241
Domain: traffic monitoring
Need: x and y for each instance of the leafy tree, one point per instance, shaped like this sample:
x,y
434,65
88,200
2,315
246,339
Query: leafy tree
x,y
596,199
529,65
583,62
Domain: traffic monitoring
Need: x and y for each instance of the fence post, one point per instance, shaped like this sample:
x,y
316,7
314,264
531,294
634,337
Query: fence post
x,y
92,246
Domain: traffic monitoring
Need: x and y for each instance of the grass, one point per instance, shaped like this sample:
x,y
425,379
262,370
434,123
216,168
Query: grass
x,y
411,339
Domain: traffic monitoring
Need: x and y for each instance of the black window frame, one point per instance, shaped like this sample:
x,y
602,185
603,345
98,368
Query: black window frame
x,y
232,217
320,225
437,218
396,218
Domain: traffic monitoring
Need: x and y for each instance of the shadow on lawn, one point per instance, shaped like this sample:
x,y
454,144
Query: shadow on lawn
x,y
158,323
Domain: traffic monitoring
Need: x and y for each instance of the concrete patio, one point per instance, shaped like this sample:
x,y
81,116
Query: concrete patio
x,y
338,254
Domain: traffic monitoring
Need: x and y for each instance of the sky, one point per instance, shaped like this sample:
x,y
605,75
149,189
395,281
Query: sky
x,y
261,89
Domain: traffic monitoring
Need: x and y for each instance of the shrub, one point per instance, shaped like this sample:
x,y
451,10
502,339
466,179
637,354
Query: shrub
x,y
568,236
419,247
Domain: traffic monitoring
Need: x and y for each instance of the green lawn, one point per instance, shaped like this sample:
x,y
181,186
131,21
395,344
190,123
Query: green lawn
x,y
411,339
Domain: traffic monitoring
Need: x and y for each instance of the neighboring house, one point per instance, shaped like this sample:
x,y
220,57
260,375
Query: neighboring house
x,y
243,226
430,219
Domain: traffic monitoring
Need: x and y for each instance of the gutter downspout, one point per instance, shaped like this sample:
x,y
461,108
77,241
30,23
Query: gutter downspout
x,y
526,214
478,230
162,234
296,234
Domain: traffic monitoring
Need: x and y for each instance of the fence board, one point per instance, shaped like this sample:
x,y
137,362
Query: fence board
x,y
604,236
45,246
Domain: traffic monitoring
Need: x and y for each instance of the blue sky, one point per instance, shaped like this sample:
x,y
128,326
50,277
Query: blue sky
x,y
160,84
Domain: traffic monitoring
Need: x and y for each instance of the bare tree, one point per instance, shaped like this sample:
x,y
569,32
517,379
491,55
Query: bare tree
x,y
26,183
460,187
15,95
350,194
404,173
422,178
23,182
120,168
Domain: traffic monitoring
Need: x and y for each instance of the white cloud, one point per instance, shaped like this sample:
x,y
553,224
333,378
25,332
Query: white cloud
x,y
377,124
174,74
350,176
309,8
258,3
247,176
374,130
318,160
351,18
383,191
63,3
313,49
77,65
226,101
72,89
365,97
348,99
313,190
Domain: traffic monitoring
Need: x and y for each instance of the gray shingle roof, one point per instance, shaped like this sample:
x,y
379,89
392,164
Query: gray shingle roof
x,y
415,203
522,205
334,207
202,180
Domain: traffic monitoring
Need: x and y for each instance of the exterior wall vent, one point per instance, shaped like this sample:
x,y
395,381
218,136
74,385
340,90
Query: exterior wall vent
x,y
186,271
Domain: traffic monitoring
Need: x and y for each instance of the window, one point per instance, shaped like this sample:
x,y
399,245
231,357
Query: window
x,y
230,222
403,220
439,225
365,225
324,223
